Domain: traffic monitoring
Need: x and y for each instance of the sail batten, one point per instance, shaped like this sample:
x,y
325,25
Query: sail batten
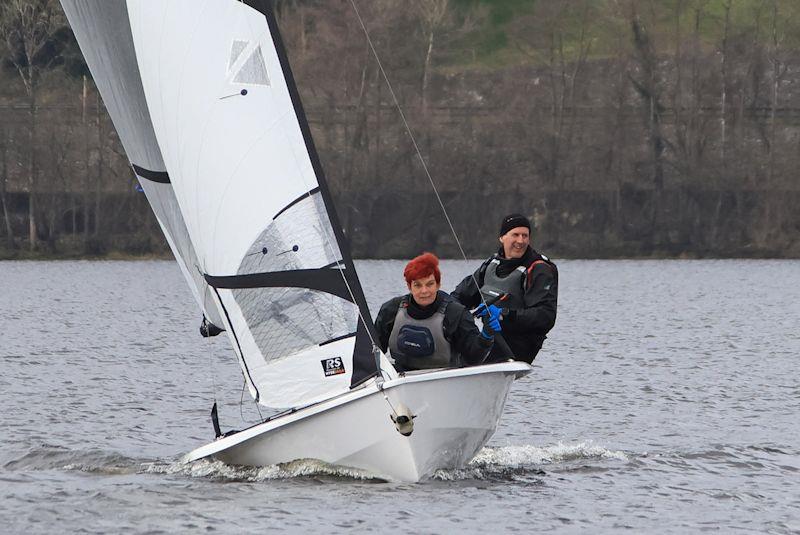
x,y
332,340
162,177
206,106
297,200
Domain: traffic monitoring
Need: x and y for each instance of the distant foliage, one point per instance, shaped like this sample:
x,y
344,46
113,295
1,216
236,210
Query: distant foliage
x,y
621,127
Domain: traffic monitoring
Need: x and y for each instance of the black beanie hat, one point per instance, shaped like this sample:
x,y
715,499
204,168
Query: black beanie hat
x,y
514,221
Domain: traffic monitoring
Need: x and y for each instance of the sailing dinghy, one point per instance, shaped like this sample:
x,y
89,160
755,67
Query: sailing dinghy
x,y
204,102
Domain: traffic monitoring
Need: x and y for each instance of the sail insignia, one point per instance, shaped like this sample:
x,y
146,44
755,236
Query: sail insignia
x,y
237,47
253,71
246,63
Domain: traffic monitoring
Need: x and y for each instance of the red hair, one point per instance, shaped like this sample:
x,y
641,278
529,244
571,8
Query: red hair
x,y
423,266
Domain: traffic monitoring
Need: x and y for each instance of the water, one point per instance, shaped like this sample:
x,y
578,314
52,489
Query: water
x,y
666,400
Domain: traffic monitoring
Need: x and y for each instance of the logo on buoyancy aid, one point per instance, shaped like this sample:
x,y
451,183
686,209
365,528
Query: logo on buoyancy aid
x,y
415,341
332,366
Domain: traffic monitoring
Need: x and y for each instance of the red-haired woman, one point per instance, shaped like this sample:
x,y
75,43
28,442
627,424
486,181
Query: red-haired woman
x,y
427,328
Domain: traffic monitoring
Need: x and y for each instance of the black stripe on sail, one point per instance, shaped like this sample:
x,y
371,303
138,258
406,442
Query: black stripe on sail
x,y
297,200
153,176
363,359
323,280
332,340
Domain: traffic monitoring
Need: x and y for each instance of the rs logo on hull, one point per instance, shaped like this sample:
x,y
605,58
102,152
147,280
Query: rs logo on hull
x,y
332,366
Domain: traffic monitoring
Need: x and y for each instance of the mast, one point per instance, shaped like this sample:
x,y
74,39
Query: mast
x,y
363,357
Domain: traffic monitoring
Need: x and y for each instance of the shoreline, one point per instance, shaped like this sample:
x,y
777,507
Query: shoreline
x,y
115,256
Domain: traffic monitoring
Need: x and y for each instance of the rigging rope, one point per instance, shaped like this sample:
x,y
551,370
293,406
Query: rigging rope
x,y
209,352
413,140
206,323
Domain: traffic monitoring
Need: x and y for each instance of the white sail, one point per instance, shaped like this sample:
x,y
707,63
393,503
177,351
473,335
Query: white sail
x,y
103,32
211,121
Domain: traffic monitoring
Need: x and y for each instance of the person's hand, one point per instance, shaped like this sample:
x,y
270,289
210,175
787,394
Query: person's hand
x,y
491,321
480,310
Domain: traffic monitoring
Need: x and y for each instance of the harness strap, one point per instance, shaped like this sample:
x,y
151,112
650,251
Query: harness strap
x,y
530,270
534,264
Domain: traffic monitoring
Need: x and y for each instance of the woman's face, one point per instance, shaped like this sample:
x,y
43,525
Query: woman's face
x,y
424,290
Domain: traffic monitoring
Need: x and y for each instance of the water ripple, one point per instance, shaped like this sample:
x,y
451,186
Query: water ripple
x,y
665,400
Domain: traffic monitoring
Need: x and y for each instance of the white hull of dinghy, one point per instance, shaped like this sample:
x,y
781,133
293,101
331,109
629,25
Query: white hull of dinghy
x,y
457,411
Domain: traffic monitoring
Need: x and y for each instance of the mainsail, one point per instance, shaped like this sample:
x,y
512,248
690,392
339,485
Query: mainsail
x,y
204,102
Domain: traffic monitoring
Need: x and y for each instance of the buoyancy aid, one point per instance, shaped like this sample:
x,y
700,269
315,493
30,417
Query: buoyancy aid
x,y
417,344
513,285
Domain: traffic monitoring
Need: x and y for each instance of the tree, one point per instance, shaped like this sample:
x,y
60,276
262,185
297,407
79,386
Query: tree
x,y
650,88
779,70
5,142
432,14
724,67
33,33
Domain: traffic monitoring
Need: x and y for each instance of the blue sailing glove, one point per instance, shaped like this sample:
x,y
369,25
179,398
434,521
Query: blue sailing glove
x,y
480,310
491,320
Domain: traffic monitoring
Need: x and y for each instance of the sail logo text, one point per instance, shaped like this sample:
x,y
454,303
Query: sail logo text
x,y
332,366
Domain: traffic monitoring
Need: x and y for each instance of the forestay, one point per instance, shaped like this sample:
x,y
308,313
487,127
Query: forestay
x,y
205,105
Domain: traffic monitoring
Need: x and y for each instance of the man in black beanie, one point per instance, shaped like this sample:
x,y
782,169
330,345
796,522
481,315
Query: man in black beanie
x,y
528,284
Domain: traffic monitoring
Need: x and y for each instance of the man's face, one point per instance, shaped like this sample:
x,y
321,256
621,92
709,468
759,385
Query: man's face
x,y
424,290
515,242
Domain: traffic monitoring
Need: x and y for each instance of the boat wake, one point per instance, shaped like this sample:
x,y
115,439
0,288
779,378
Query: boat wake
x,y
491,463
47,457
505,461
58,458
218,470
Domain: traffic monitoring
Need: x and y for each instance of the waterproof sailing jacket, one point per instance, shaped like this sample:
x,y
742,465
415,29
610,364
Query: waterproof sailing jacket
x,y
458,326
529,314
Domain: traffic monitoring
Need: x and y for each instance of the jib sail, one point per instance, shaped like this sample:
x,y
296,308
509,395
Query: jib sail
x,y
204,102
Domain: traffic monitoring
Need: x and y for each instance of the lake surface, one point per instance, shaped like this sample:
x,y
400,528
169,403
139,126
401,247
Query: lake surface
x,y
666,400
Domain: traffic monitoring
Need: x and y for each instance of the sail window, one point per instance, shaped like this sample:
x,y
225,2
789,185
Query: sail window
x,y
284,321
297,243
254,70
296,239
237,47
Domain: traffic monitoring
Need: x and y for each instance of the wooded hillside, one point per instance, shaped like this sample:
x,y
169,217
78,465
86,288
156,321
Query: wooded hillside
x,y
622,127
